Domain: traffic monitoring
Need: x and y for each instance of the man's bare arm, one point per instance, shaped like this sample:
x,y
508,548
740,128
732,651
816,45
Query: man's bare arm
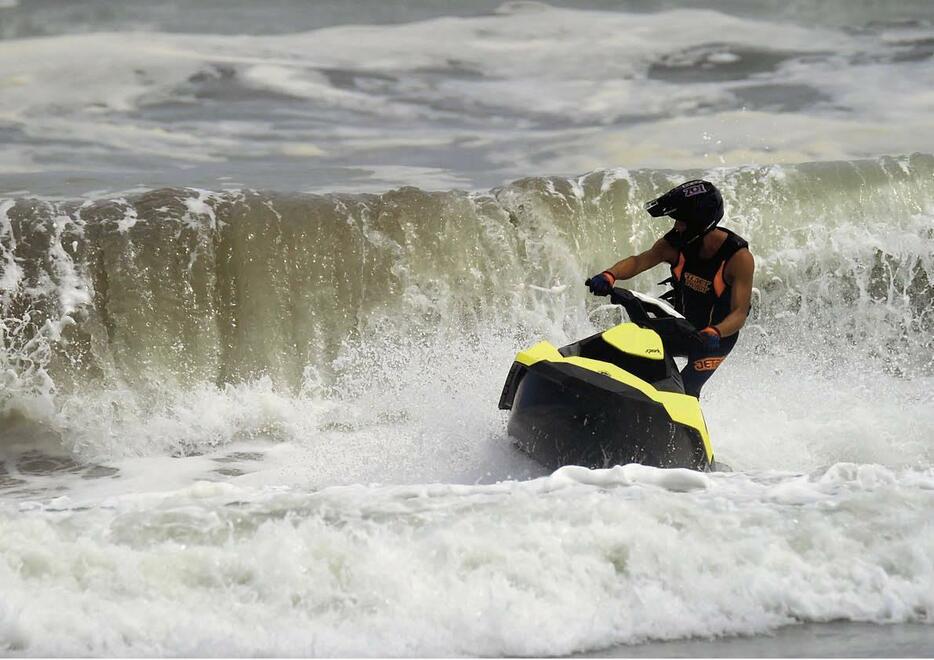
x,y
739,272
632,266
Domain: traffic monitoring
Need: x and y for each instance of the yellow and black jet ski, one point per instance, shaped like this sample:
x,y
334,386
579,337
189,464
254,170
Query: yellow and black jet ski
x,y
613,398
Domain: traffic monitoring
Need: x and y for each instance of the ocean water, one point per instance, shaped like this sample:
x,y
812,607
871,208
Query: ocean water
x,y
264,268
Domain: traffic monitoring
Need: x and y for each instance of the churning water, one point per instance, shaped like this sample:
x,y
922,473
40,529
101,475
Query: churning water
x,y
262,275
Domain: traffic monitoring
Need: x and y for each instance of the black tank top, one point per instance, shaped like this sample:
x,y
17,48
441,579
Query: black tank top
x,y
701,293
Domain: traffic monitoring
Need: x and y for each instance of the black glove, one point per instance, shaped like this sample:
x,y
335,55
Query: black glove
x,y
602,283
709,338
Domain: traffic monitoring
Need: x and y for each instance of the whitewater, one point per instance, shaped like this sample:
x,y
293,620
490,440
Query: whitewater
x,y
263,274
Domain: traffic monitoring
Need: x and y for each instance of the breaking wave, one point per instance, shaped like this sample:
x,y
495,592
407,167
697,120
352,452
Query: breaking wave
x,y
128,307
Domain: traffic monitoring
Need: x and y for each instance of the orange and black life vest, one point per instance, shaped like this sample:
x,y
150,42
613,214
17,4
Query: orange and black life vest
x,y
701,292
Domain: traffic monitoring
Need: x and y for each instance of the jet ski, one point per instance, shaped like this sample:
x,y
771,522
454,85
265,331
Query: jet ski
x,y
613,398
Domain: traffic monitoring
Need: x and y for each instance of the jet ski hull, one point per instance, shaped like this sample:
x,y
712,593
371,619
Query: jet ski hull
x,y
563,414
612,398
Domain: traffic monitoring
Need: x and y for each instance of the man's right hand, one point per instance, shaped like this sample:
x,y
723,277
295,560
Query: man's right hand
x,y
709,338
602,283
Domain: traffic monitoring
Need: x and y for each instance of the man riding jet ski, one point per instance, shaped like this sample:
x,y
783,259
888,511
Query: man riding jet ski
x,y
613,398
618,397
711,272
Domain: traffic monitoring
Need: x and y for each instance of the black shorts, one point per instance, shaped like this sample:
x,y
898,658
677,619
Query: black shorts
x,y
701,365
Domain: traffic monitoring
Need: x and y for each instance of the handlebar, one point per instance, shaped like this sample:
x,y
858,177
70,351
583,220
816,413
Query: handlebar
x,y
678,334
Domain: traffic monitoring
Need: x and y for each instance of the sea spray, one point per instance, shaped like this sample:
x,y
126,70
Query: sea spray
x,y
129,306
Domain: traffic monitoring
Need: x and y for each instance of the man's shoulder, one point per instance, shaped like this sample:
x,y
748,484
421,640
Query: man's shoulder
x,y
729,234
741,261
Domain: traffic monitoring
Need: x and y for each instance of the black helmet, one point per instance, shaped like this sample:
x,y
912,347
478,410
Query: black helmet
x,y
697,203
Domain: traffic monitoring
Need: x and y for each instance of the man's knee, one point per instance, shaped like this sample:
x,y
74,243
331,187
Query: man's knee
x,y
698,371
700,368
707,364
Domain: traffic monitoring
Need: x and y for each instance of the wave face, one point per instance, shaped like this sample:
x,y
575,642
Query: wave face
x,y
180,290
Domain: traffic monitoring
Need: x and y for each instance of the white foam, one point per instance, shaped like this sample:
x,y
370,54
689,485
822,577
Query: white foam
x,y
507,569
72,288
12,272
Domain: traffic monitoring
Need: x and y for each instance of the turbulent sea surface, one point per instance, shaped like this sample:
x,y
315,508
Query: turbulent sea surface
x,y
264,268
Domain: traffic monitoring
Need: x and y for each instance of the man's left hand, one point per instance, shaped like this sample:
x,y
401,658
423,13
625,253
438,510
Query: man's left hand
x,y
709,338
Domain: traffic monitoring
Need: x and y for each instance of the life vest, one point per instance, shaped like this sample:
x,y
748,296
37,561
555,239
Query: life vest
x,y
700,291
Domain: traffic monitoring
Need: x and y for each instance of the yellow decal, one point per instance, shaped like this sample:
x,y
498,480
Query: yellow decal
x,y
682,408
630,338
543,350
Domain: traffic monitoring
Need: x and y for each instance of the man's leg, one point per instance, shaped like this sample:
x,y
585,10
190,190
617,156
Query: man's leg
x,y
702,364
